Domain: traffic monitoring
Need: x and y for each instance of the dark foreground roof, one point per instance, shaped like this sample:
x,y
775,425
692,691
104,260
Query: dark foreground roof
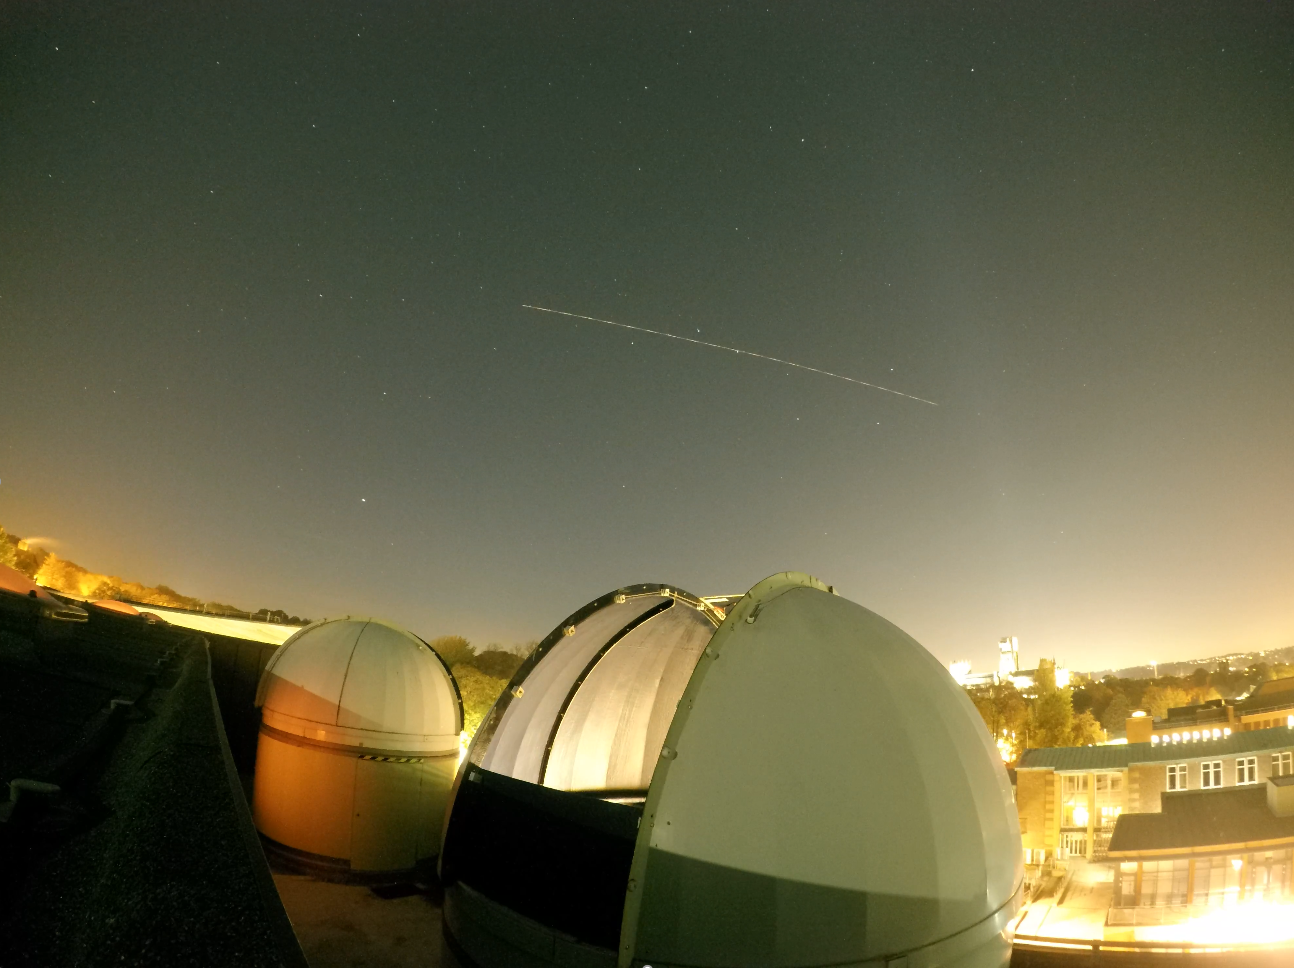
x,y
1118,757
146,854
1197,820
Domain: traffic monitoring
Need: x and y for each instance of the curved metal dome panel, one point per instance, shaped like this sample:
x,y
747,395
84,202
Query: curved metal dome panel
x,y
518,744
361,682
397,684
581,713
610,734
305,675
828,779
824,794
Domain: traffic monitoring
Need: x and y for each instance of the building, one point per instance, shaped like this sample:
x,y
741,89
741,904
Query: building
x,y
359,741
1008,662
1070,799
1205,849
1268,706
1008,669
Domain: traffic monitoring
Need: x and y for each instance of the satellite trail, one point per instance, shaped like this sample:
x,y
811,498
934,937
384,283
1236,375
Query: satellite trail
x,y
731,349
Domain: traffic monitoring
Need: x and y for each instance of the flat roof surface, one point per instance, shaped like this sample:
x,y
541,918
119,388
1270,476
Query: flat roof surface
x,y
238,628
144,853
1193,819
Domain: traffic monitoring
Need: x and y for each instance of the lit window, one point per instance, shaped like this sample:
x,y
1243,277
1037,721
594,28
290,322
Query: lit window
x,y
1217,733
1211,774
1154,739
1282,764
1177,737
1195,735
1177,776
1247,770
1226,731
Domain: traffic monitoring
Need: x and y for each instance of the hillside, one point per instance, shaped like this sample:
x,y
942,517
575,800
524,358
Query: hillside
x,y
48,569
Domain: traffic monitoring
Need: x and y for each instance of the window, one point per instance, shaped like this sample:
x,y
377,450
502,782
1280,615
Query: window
x,y
1247,770
1211,774
1109,782
1075,783
1282,764
1177,776
1073,844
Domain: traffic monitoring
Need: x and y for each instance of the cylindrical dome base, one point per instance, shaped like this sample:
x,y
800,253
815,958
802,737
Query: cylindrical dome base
x,y
481,933
349,813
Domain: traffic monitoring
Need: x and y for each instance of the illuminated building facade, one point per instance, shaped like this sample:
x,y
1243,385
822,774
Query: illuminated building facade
x,y
1268,706
1008,669
1008,661
1206,849
1070,799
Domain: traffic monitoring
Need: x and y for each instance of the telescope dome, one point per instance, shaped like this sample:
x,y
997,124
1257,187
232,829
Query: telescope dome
x,y
358,743
823,793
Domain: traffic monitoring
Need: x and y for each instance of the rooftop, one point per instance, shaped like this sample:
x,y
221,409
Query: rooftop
x,y
1119,757
130,841
1197,820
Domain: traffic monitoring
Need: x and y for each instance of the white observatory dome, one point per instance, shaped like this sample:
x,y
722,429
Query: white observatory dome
x,y
795,782
358,743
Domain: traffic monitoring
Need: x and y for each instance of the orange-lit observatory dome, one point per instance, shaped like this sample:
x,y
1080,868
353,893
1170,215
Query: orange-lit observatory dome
x,y
358,744
110,605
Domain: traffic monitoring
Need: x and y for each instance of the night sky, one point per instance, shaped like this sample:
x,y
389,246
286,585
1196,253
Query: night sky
x,y
261,335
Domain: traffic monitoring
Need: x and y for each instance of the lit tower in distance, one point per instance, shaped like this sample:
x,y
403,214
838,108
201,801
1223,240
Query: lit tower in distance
x,y
1008,661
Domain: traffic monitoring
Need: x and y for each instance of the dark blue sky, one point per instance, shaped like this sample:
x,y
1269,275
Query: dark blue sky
x,y
261,276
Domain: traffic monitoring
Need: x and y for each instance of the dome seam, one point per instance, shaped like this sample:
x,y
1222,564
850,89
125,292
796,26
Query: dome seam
x,y
349,659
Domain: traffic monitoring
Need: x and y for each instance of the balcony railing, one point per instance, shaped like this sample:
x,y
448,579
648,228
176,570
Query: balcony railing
x,y
1031,942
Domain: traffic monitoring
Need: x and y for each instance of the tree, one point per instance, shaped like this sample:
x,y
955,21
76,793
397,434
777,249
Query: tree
x,y
479,692
1053,717
1002,708
8,550
1203,694
1092,697
1115,716
1085,731
454,649
1045,680
497,662
1157,699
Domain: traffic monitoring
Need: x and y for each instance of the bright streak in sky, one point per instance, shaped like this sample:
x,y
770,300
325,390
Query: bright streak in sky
x,y
730,349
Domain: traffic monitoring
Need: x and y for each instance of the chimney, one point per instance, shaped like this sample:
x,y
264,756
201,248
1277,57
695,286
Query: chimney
x,y
1280,795
1140,726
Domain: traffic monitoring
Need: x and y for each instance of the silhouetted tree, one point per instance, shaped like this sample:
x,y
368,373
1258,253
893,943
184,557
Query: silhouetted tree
x,y
454,649
497,662
1116,713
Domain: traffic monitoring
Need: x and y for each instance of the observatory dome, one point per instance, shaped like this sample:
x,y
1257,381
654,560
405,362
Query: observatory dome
x,y
358,742
109,605
34,607
793,782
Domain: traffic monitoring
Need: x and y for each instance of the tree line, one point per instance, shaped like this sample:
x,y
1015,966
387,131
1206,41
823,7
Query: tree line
x,y
482,676
1090,710
48,569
